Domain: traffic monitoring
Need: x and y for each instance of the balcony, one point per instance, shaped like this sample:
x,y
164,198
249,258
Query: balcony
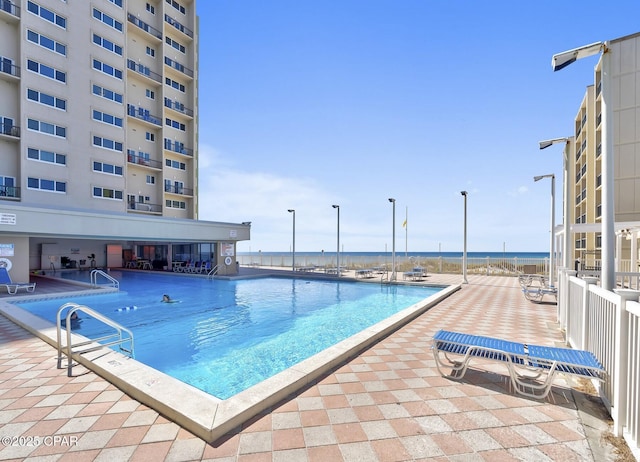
x,y
177,188
10,130
178,67
143,114
175,146
8,70
144,207
143,161
144,26
9,192
143,70
178,107
185,30
9,9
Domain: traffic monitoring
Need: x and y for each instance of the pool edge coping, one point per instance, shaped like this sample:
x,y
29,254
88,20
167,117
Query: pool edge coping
x,y
199,412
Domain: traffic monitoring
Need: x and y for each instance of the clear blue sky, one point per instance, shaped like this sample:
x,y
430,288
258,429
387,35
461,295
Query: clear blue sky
x,y
305,104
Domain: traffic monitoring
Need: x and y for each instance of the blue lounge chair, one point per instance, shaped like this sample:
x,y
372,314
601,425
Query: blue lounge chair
x,y
527,364
12,287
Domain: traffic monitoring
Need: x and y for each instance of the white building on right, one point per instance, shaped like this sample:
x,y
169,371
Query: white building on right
x,y
615,117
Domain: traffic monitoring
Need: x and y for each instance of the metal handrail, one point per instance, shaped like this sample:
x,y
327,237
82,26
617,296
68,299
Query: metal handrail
x,y
94,278
213,271
95,343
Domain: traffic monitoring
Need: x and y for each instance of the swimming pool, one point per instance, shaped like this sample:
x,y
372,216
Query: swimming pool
x,y
225,336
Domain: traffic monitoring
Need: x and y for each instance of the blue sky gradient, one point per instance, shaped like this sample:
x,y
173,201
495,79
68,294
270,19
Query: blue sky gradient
x,y
305,104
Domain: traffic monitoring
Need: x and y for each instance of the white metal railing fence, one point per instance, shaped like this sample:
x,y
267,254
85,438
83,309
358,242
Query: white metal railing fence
x,y
607,324
484,265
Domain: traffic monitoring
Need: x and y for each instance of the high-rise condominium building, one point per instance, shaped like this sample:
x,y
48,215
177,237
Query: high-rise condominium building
x,y
99,114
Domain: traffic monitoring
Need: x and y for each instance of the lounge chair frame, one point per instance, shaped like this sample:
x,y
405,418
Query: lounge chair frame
x,y
12,287
532,368
535,287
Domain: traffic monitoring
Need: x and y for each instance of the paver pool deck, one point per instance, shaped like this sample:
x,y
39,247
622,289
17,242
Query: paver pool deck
x,y
388,403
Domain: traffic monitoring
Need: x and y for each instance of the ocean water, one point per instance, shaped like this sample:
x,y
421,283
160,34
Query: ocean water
x,y
401,254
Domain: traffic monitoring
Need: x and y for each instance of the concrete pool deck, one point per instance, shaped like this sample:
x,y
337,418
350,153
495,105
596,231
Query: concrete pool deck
x,y
386,403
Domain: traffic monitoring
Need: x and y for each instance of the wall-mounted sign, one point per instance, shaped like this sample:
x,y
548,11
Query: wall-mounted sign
x,y
227,249
6,250
7,218
233,233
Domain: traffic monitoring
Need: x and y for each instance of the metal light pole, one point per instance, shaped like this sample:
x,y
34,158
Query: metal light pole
x,y
464,251
293,257
560,61
337,207
393,242
552,246
566,238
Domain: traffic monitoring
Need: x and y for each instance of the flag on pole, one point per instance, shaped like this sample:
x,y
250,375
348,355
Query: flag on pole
x,y
404,224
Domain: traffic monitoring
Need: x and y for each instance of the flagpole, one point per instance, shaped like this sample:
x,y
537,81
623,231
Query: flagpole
x,y
406,232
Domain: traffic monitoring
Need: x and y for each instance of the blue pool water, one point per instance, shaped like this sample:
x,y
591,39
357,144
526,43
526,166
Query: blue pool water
x,y
225,336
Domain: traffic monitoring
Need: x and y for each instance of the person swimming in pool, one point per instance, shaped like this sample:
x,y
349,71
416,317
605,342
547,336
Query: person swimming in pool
x,y
167,299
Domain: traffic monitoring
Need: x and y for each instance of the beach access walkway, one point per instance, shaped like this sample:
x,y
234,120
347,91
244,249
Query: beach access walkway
x,y
388,403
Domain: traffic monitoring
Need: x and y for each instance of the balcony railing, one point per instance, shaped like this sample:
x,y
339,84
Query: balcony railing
x,y
174,146
144,70
178,107
185,30
177,66
9,192
144,26
178,189
139,160
10,7
7,67
144,207
143,114
10,130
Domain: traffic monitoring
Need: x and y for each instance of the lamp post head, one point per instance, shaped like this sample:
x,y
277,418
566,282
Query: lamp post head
x,y
391,199
464,193
335,206
540,177
546,143
291,211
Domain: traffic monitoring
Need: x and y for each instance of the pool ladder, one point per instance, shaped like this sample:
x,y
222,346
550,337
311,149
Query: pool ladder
x,y
113,282
122,336
213,271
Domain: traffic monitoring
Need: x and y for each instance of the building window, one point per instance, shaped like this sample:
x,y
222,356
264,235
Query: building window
x,y
107,193
47,14
46,99
177,6
107,94
47,42
108,20
175,164
107,69
46,185
8,186
151,179
107,168
107,118
175,124
117,2
151,52
176,204
151,9
46,156
46,128
175,44
46,71
175,85
150,136
150,94
107,44
107,143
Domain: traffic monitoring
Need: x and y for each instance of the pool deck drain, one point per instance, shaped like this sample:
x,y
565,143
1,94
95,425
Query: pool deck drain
x,y
386,403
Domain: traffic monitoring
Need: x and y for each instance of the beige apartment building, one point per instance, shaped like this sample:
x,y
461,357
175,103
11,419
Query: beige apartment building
x,y
585,169
99,134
